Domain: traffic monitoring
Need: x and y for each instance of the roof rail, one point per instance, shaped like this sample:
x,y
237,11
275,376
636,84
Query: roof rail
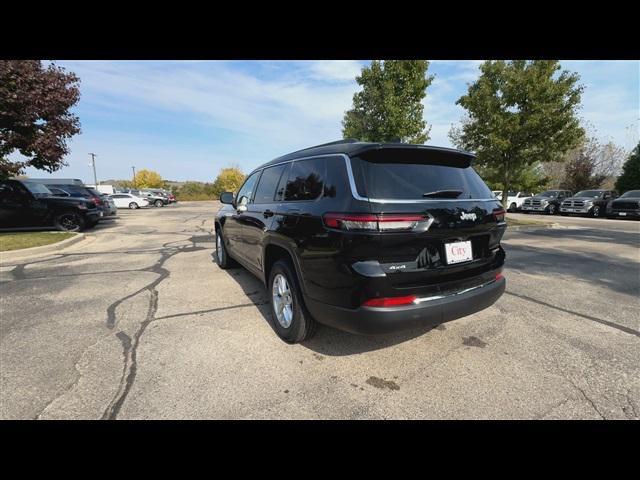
x,y
337,142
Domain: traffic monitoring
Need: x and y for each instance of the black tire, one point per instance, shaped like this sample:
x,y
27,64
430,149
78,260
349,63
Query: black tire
x,y
302,326
69,222
159,203
223,259
596,212
133,206
552,209
512,208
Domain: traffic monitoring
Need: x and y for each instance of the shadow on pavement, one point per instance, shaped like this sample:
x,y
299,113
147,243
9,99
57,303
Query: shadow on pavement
x,y
590,235
327,340
618,275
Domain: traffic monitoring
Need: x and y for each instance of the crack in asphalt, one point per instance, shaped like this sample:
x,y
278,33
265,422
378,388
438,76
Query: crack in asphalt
x,y
130,346
586,397
622,328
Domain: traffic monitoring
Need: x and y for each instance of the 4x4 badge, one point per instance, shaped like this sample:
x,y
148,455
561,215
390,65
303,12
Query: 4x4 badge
x,y
468,216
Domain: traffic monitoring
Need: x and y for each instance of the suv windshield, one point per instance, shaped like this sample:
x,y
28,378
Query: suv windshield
x,y
38,189
632,193
588,193
549,193
411,180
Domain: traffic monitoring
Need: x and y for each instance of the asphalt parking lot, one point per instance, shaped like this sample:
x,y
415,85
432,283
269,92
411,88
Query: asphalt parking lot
x,y
137,322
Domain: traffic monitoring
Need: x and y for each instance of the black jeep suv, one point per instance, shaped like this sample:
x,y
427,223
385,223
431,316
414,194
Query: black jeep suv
x,y
29,206
366,237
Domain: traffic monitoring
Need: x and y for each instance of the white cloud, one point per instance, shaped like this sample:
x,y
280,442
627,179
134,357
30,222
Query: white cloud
x,y
338,70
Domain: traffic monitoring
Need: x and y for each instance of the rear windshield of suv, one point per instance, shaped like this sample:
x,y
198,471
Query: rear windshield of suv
x,y
406,180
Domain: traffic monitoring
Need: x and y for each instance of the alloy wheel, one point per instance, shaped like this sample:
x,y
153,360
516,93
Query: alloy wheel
x,y
282,300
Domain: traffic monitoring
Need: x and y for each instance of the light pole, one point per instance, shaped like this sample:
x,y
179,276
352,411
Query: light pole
x,y
134,177
93,163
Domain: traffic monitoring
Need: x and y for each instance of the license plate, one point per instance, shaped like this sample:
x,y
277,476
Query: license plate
x,y
458,252
622,214
101,214
568,210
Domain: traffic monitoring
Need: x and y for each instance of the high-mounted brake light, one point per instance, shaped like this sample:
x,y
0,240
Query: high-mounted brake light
x,y
374,222
389,301
499,214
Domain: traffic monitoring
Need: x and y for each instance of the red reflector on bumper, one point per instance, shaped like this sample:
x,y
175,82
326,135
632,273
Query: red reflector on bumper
x,y
389,301
499,276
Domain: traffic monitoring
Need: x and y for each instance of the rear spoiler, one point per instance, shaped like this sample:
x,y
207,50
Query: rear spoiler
x,y
391,153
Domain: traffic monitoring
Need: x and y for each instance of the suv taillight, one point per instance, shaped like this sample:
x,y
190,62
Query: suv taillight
x,y
97,201
374,222
498,214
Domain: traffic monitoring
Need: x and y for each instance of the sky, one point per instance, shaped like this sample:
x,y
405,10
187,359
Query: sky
x,y
188,119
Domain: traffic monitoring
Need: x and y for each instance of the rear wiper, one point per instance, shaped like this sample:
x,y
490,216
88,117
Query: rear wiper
x,y
444,193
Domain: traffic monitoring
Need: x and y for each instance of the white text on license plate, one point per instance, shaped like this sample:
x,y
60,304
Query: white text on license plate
x,y
458,252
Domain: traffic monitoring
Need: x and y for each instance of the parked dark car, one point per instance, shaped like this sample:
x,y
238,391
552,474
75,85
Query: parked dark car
x,y
626,206
109,205
64,187
588,202
546,202
28,205
155,199
366,237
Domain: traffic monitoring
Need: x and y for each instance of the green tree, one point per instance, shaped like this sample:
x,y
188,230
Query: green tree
x,y
148,179
520,113
35,117
228,180
630,177
389,106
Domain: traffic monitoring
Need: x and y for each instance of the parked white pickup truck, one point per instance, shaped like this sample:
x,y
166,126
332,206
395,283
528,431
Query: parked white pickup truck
x,y
514,199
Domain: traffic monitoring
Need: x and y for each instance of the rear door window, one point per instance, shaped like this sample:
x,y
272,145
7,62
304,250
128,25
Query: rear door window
x,y
266,190
306,179
413,180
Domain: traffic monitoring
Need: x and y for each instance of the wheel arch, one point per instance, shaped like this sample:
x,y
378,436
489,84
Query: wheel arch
x,y
274,251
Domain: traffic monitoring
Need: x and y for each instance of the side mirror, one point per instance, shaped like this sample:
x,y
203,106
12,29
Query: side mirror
x,y
226,198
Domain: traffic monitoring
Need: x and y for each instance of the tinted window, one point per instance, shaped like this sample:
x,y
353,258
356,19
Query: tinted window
x,y
245,193
266,189
589,193
631,193
38,189
407,180
305,180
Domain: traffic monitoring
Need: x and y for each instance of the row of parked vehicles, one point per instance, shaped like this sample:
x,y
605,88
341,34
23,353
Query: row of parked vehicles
x,y
595,203
67,204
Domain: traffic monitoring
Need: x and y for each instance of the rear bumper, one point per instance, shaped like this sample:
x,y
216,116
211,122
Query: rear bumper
x,y
368,320
92,216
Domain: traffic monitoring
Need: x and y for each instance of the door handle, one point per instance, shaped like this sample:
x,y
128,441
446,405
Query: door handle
x,y
267,213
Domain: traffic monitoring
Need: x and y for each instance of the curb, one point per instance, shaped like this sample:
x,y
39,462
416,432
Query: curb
x,y
26,253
